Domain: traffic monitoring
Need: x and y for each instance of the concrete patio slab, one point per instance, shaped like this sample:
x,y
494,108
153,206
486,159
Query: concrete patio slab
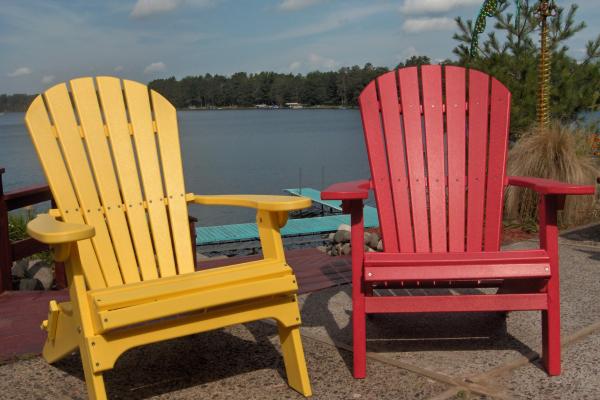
x,y
420,356
237,362
579,379
460,346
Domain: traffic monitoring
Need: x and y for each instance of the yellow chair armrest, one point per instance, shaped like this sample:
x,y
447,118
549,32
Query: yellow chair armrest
x,y
259,202
47,229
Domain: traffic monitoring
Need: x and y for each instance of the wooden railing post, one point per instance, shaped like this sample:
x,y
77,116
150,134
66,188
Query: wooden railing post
x,y
5,248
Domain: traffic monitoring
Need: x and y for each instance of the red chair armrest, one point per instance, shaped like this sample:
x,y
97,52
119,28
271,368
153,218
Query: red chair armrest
x,y
355,190
548,186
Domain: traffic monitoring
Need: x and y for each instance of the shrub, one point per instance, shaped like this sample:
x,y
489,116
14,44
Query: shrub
x,y
17,230
17,224
563,153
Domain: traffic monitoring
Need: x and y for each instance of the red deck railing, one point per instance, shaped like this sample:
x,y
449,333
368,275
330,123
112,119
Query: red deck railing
x,y
14,251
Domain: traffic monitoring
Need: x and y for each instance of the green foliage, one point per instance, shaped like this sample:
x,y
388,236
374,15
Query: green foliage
x,y
511,54
17,224
415,61
332,88
17,230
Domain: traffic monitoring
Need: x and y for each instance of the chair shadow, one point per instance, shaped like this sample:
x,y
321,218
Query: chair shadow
x,y
191,361
593,254
417,332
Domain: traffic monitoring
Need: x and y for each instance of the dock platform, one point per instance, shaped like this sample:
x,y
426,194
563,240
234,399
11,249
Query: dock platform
x,y
206,235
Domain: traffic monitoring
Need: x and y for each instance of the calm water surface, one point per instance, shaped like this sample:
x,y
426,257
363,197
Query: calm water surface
x,y
245,151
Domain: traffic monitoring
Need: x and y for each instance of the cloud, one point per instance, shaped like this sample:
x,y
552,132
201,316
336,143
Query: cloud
x,y
434,6
20,72
118,68
295,65
155,67
428,24
147,8
318,61
336,20
295,5
48,79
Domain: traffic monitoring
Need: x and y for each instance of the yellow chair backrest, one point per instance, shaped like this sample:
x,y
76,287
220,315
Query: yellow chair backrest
x,y
110,151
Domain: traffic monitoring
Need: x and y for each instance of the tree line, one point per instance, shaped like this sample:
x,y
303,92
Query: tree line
x,y
15,102
331,88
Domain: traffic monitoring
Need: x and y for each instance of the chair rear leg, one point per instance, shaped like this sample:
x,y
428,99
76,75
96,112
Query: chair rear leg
x,y
293,357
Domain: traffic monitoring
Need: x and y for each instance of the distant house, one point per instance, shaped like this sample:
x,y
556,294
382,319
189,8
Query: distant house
x,y
293,105
261,106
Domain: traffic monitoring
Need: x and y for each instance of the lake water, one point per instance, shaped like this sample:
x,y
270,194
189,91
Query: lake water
x,y
235,151
241,151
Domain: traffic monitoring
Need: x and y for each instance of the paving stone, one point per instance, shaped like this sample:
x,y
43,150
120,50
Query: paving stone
x,y
579,378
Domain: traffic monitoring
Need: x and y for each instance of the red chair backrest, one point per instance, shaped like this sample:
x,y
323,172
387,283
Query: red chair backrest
x,y
437,141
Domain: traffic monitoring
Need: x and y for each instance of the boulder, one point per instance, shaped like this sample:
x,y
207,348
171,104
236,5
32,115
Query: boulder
x,y
30,284
331,236
19,268
322,249
374,240
346,249
341,236
42,271
367,237
344,227
380,245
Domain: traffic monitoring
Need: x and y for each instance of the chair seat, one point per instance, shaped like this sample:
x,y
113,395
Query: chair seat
x,y
125,305
517,264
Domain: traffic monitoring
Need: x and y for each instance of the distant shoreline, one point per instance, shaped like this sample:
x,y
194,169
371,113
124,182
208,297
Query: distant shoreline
x,y
229,108
233,108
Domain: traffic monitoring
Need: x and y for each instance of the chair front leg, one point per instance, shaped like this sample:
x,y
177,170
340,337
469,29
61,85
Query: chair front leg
x,y
359,328
268,224
548,207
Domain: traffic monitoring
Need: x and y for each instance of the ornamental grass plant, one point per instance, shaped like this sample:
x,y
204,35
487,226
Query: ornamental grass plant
x,y
560,152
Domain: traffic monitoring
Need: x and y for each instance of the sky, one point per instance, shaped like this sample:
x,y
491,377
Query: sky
x,y
43,42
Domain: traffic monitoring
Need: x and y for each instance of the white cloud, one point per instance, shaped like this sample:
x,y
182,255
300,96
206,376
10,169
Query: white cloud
x,y
118,68
48,79
295,5
146,8
295,65
155,67
336,20
20,72
318,61
428,24
434,6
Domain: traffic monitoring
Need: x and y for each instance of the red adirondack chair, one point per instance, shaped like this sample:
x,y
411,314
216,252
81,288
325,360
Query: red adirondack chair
x,y
437,144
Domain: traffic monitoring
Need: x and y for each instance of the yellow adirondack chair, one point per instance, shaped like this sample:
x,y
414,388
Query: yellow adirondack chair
x,y
110,151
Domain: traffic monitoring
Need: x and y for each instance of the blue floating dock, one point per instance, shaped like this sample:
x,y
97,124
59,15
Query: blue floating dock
x,y
294,227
